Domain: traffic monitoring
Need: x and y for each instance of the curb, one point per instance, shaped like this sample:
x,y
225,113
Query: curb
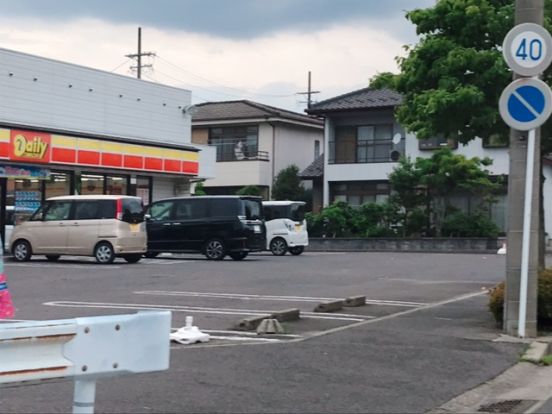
x,y
536,351
522,388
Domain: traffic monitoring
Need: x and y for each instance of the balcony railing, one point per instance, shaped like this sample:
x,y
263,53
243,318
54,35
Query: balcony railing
x,y
247,156
361,153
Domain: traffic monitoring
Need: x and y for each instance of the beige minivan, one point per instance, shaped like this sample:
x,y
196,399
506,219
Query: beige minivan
x,y
102,226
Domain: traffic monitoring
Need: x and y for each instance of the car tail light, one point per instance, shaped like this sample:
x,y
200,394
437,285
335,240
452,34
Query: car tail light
x,y
119,214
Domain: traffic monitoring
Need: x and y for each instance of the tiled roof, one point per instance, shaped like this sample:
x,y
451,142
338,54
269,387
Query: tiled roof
x,y
244,109
366,98
316,169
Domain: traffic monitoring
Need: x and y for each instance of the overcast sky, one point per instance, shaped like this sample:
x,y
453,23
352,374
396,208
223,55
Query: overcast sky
x,y
260,50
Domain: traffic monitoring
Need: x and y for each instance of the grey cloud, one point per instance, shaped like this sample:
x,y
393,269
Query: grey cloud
x,y
228,18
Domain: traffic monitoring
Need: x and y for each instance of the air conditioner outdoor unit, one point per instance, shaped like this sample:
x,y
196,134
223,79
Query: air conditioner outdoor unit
x,y
394,155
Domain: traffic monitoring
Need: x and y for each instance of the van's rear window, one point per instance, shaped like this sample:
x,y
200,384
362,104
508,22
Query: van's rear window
x,y
133,210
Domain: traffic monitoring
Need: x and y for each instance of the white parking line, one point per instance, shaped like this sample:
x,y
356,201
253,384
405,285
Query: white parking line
x,y
63,266
163,261
273,298
196,309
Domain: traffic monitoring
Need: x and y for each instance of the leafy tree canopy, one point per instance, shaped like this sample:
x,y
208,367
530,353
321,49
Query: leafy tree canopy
x,y
287,185
452,79
251,190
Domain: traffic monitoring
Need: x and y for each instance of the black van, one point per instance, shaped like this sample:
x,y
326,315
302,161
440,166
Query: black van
x,y
212,225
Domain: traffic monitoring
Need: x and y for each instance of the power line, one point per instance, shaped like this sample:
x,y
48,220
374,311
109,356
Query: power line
x,y
242,91
195,95
122,64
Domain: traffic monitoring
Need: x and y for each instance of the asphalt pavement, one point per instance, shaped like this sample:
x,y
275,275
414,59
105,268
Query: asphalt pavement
x,y
415,358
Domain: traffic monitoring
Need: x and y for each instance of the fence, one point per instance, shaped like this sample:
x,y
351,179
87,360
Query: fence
x,y
86,349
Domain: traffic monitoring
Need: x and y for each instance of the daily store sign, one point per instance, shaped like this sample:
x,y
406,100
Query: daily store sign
x,y
35,147
29,146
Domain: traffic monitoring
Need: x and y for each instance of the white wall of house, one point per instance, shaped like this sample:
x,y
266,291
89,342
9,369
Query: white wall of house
x,y
241,173
207,161
295,145
49,94
472,149
284,144
381,171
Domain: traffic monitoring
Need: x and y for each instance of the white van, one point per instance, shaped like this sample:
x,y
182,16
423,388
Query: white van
x,y
286,227
100,226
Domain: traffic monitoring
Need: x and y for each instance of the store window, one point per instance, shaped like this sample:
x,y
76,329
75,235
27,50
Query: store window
x,y
27,198
58,184
92,184
116,185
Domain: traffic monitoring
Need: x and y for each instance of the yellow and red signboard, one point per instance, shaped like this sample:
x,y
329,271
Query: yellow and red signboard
x,y
29,146
36,147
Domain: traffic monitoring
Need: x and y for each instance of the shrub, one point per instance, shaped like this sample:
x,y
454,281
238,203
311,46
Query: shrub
x,y
496,302
459,224
251,190
544,299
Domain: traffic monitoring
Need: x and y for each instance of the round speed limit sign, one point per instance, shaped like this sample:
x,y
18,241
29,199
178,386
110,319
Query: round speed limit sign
x,y
527,49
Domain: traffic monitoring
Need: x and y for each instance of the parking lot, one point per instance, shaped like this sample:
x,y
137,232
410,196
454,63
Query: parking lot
x,y
425,318
219,294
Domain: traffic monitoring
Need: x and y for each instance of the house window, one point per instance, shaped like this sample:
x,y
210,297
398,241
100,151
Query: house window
x,y
361,144
316,149
495,141
436,143
238,143
357,193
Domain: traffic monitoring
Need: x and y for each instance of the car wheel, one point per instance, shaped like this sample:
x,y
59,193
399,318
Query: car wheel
x,y
151,255
278,246
22,251
104,253
297,250
52,257
238,256
214,249
132,258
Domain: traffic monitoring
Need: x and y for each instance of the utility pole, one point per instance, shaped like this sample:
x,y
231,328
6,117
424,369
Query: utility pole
x,y
527,11
309,92
138,56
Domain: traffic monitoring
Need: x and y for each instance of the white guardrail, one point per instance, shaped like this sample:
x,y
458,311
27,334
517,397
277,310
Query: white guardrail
x,y
85,348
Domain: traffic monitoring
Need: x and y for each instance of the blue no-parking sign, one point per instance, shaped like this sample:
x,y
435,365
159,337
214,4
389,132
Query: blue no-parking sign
x,y
525,104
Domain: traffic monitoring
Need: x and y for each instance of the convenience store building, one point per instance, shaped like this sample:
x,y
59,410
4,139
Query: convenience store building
x,y
67,129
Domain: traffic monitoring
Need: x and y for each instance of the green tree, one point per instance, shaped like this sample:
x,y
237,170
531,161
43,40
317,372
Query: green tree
x,y
452,79
252,190
446,174
198,190
406,182
287,185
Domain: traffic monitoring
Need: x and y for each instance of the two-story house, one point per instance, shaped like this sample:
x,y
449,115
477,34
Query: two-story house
x,y
364,143
254,142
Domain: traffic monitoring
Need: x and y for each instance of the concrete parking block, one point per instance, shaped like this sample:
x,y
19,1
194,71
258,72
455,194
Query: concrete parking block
x,y
355,301
251,323
286,315
270,326
329,306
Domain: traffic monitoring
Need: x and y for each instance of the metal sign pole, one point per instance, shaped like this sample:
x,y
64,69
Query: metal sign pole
x,y
526,233
84,396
